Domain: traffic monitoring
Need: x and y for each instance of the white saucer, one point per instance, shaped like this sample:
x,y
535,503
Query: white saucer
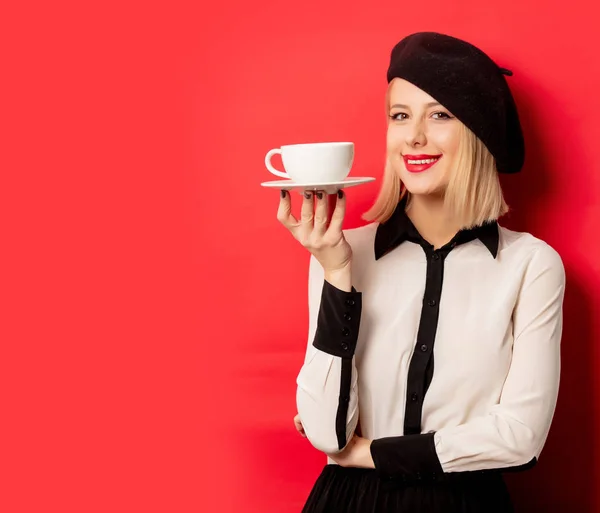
x,y
327,187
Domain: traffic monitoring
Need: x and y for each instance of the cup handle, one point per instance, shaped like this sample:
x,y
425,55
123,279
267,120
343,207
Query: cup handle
x,y
270,167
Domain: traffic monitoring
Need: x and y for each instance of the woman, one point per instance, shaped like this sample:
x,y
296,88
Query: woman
x,y
434,336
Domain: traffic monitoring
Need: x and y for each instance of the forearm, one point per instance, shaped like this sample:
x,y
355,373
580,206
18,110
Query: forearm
x,y
327,393
340,278
327,405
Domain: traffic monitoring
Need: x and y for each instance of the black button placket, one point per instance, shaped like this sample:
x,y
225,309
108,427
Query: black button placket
x,y
338,324
345,379
420,370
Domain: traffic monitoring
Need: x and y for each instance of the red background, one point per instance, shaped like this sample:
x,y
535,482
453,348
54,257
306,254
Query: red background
x,y
154,313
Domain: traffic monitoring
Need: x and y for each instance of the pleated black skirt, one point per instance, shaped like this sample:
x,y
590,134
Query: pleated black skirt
x,y
356,490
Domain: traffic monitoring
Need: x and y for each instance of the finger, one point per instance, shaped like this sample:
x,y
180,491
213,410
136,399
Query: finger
x,y
284,212
300,429
321,211
307,212
337,218
298,423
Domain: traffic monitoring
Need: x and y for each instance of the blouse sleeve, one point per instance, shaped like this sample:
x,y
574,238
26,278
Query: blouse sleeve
x,y
327,397
514,431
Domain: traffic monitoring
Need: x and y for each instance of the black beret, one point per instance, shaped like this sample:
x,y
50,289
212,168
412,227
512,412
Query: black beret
x,y
470,85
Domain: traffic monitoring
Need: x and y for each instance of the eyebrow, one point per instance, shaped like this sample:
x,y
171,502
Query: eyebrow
x,y
400,106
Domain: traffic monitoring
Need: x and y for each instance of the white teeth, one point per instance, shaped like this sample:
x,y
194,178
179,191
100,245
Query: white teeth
x,y
426,161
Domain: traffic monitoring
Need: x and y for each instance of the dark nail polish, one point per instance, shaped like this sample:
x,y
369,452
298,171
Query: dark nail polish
x,y
307,194
282,193
320,195
340,194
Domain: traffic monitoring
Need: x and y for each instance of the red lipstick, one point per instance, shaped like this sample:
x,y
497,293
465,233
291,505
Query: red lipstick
x,y
419,168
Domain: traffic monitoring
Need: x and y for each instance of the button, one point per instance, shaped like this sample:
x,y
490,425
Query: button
x,y
344,346
436,256
347,316
350,302
345,331
431,302
414,397
424,347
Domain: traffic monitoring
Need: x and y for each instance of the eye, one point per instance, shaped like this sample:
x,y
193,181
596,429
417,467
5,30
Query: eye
x,y
443,114
398,116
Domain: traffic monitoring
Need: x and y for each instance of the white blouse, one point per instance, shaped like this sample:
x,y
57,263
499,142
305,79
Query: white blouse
x,y
449,359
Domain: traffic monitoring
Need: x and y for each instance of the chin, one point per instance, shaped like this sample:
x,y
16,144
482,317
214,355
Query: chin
x,y
431,193
422,187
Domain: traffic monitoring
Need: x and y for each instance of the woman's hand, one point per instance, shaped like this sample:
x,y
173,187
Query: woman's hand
x,y
356,454
299,426
323,238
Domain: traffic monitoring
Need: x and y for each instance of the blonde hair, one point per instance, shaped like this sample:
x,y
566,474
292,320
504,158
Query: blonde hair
x,y
473,195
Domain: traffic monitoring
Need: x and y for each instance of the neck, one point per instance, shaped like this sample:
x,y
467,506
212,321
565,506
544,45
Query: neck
x,y
432,220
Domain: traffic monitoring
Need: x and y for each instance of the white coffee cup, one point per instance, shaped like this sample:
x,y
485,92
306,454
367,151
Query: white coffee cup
x,y
314,162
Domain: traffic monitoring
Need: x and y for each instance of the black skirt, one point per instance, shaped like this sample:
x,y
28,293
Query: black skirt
x,y
356,490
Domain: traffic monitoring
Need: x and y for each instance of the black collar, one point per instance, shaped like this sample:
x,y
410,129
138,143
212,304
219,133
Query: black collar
x,y
399,228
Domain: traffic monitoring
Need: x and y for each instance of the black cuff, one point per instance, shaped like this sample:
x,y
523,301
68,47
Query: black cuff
x,y
338,321
410,456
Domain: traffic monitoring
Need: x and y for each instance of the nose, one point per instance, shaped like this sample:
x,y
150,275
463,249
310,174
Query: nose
x,y
415,135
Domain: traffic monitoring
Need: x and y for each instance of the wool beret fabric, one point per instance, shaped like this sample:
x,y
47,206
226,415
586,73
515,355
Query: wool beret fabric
x,y
467,82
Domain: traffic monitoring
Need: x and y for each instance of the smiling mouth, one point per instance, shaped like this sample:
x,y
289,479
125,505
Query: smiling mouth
x,y
421,159
420,163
